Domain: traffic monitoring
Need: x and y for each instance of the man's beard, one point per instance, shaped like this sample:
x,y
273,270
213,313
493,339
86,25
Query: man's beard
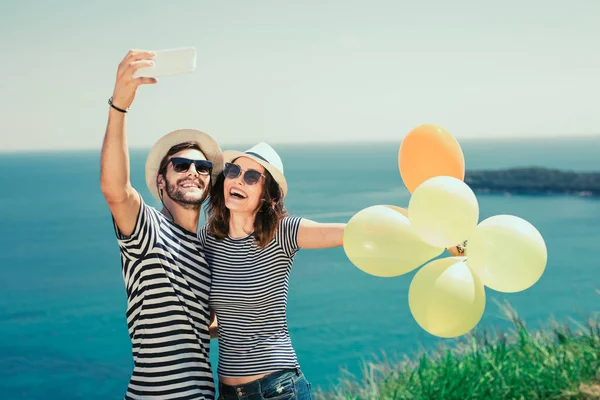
x,y
179,197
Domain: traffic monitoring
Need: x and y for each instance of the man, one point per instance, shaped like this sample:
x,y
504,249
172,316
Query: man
x,y
166,277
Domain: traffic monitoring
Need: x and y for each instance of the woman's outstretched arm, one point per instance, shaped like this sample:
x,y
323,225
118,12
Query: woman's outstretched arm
x,y
316,235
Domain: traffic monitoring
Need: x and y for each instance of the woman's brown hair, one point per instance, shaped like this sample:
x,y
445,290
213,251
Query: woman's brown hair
x,y
268,216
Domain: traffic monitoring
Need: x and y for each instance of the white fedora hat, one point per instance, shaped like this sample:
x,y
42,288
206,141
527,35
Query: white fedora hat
x,y
266,156
209,147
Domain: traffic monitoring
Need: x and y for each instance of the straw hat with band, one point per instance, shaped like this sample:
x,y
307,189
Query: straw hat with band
x,y
207,144
266,156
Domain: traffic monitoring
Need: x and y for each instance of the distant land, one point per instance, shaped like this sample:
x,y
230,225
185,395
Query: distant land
x,y
535,181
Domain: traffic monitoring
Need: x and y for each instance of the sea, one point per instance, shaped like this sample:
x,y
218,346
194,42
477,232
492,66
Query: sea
x,y
63,332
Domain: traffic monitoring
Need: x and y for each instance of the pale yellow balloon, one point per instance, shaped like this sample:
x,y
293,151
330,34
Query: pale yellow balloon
x,y
508,253
446,298
443,211
401,210
380,241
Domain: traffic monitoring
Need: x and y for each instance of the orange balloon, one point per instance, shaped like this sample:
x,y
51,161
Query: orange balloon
x,y
429,151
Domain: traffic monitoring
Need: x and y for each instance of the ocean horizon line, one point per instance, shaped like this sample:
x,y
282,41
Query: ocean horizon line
x,y
351,143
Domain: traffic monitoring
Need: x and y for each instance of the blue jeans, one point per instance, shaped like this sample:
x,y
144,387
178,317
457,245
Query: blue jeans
x,y
279,385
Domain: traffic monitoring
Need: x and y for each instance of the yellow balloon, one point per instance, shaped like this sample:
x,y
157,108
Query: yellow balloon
x,y
443,211
446,298
508,253
380,241
401,210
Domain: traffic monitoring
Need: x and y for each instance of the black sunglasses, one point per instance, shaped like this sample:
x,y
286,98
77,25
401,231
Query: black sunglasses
x,y
251,176
182,164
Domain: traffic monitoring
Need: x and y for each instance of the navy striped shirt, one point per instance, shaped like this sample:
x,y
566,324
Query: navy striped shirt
x,y
167,282
249,295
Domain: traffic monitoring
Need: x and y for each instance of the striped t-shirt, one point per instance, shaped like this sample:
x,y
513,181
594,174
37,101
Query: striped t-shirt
x,y
167,282
249,295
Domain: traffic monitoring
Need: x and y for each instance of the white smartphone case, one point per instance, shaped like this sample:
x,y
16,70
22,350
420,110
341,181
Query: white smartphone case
x,y
170,62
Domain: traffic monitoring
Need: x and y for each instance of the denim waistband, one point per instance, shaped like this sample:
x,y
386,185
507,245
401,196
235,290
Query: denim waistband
x,y
257,385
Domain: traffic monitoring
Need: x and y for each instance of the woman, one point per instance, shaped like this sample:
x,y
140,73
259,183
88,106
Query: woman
x,y
250,243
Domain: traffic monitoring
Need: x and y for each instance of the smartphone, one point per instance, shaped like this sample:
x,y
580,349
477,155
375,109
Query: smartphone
x,y
170,62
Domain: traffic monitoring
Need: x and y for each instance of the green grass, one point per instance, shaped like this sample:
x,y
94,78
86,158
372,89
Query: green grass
x,y
560,362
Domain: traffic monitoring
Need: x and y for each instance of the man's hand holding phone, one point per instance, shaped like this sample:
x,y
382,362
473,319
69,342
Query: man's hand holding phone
x,y
142,67
126,85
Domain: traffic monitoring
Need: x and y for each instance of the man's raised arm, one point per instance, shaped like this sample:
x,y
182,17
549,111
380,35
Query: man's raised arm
x,y
122,199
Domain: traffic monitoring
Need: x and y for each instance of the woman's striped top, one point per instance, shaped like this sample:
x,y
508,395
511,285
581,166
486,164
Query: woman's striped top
x,y
249,295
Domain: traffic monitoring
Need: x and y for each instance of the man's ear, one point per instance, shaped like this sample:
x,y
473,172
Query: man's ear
x,y
160,181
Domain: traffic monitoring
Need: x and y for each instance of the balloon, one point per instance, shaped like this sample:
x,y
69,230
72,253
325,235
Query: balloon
x,y
429,151
508,253
380,241
401,210
443,211
446,298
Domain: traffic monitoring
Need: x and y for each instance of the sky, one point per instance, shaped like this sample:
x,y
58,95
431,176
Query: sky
x,y
304,71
